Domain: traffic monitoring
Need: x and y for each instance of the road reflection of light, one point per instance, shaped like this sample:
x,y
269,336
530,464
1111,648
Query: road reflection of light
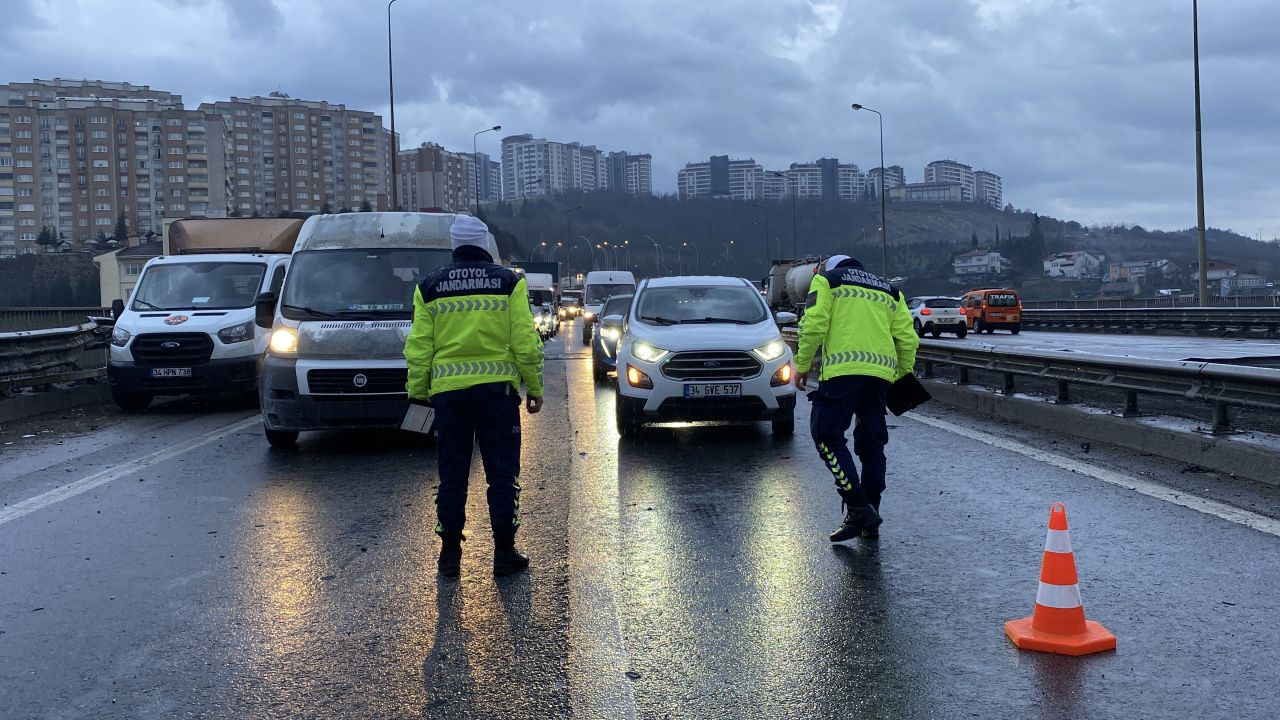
x,y
283,586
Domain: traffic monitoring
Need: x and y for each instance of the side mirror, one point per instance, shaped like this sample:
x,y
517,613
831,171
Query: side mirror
x,y
611,321
786,318
117,308
264,315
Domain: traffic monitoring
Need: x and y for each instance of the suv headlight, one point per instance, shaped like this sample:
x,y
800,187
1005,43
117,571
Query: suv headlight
x,y
648,353
771,350
120,336
611,333
284,341
236,333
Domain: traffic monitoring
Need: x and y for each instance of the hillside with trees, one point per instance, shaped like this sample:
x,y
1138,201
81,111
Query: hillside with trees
x,y
735,237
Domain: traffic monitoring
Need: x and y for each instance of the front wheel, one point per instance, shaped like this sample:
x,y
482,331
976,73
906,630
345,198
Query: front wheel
x,y
784,427
919,328
599,372
962,331
131,402
1015,329
586,334
282,439
628,424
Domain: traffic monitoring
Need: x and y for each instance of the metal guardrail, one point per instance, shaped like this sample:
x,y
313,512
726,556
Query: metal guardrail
x,y
1240,301
38,318
32,358
1224,386
1193,319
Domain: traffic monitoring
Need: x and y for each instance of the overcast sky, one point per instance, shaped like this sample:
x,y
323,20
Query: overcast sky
x,y
1083,106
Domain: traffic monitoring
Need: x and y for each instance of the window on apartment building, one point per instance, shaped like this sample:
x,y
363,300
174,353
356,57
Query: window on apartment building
x,y
301,173
101,178
177,192
177,178
242,148
98,134
22,119
22,134
173,122
301,184
178,206
241,183
23,149
123,166
201,149
98,120
176,136
176,164
22,192
102,221
177,151
241,124
26,222
102,206
29,237
101,163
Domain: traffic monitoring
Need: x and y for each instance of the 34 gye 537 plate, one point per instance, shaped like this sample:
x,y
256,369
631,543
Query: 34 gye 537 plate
x,y
702,391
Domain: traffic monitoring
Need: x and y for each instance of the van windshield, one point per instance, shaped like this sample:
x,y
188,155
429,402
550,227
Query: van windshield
x,y
597,294
374,283
1002,300
538,297
199,286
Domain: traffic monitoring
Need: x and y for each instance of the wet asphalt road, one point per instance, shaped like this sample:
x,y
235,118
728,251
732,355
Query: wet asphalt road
x,y
223,579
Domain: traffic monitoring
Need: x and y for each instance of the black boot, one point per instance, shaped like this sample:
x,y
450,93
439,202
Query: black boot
x,y
450,562
858,519
873,533
508,561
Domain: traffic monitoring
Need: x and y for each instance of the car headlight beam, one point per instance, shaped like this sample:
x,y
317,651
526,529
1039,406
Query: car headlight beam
x,y
284,341
645,352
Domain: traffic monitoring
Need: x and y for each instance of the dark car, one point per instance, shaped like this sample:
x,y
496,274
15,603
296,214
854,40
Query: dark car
x,y
604,344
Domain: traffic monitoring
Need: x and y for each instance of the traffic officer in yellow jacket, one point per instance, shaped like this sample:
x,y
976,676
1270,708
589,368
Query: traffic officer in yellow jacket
x,y
864,329
472,343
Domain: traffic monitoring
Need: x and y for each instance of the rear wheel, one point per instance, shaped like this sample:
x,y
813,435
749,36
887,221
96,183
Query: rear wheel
x,y
961,331
919,329
586,334
936,332
599,372
1015,329
131,402
281,438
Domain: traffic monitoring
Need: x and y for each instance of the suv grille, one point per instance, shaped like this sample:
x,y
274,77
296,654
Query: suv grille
x,y
711,365
343,382
183,349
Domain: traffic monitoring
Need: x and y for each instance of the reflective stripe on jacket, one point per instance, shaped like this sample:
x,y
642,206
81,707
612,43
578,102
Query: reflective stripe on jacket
x,y
472,325
861,323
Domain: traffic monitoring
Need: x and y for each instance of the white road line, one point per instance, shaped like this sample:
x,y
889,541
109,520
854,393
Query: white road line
x,y
85,484
1217,509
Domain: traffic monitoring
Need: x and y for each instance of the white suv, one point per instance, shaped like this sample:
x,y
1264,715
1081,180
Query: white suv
x,y
703,348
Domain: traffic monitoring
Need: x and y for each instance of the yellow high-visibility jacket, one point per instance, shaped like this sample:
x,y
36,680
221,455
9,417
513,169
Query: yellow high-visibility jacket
x,y
472,325
861,323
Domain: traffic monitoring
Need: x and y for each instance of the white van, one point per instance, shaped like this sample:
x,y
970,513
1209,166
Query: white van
x,y
599,286
543,302
336,355
187,328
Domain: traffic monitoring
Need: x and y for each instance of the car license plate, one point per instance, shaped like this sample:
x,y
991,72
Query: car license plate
x,y
997,315
700,392
170,372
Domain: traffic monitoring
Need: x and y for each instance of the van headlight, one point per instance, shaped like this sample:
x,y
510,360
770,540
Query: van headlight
x,y
645,352
120,336
236,333
771,350
284,341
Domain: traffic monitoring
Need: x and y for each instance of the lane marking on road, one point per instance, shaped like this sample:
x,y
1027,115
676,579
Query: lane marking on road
x,y
102,477
1220,510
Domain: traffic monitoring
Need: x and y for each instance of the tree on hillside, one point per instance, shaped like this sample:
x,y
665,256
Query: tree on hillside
x,y
326,208
365,206
46,239
973,240
235,212
122,230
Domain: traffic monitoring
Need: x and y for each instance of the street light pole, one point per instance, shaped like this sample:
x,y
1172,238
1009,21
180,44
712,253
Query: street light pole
x,y
568,228
1202,249
884,229
661,268
795,245
475,162
391,90
697,256
768,260
679,258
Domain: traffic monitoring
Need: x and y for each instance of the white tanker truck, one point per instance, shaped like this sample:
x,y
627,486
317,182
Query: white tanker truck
x,y
787,284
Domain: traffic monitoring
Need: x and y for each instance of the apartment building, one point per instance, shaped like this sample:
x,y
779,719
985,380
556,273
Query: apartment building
x,y
431,178
290,155
927,192
75,155
490,177
950,171
721,177
825,178
537,167
894,177
773,185
988,188
632,174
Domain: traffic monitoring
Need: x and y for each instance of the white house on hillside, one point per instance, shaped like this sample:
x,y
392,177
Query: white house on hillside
x,y
980,262
1074,265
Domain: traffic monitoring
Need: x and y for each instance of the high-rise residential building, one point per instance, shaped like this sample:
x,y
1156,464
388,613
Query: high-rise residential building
x,y
773,185
289,155
825,178
927,192
632,174
76,155
721,177
536,167
894,176
431,178
950,171
490,177
988,189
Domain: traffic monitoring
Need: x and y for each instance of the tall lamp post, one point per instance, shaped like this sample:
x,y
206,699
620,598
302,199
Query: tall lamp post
x,y
768,260
661,266
795,252
679,258
475,162
591,252
697,256
391,90
884,229
1202,249
568,230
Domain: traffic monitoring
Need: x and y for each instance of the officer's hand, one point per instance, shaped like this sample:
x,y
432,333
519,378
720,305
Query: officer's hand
x,y
533,404
802,380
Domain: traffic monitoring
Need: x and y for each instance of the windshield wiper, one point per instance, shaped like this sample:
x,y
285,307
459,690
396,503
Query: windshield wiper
x,y
309,311
660,320
153,306
735,321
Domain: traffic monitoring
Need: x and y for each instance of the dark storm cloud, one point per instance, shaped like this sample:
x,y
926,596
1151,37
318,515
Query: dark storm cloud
x,y
1083,106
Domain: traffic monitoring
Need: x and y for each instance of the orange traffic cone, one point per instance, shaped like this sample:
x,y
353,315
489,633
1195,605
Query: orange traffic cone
x,y
1058,624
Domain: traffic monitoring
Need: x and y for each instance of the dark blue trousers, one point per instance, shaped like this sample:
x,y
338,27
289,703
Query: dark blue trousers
x,y
835,403
489,416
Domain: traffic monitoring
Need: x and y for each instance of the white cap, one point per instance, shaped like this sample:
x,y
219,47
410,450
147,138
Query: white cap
x,y
468,230
835,260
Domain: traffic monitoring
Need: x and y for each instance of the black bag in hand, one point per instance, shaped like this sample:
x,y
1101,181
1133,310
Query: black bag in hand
x,y
906,394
